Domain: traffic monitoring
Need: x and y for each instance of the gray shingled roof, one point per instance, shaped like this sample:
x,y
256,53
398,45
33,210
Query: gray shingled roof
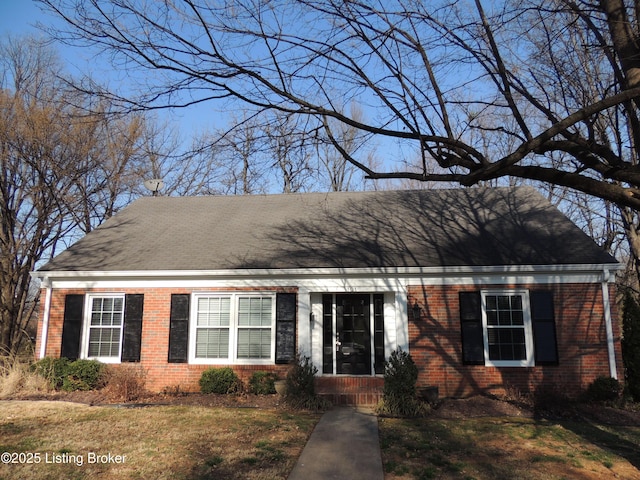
x,y
426,228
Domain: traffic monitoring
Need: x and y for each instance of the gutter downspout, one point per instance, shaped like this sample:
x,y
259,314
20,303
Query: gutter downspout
x,y
606,306
46,283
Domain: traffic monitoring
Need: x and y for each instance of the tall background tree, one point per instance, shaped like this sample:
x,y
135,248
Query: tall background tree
x,y
460,91
64,171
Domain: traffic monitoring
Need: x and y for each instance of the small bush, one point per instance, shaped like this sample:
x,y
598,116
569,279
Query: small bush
x,y
604,389
300,386
220,380
399,394
262,383
69,376
84,375
125,382
52,369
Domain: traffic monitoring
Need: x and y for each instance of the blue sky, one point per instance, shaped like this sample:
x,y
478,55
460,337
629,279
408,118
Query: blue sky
x,y
18,17
15,15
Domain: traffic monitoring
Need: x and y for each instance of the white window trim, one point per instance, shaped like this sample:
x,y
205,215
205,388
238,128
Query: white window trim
x,y
233,329
86,327
528,330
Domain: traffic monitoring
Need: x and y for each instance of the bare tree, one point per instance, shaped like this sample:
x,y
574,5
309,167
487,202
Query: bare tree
x,y
43,152
433,73
476,91
333,165
64,171
240,167
289,145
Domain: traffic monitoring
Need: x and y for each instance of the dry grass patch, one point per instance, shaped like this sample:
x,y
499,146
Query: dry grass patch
x,y
17,379
499,448
160,442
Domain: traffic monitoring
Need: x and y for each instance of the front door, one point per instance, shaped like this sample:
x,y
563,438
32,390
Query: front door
x,y
353,335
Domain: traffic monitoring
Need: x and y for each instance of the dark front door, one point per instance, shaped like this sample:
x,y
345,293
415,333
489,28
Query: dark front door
x,y
353,335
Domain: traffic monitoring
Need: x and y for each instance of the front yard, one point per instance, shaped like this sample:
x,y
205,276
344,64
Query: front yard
x,y
62,440
65,440
586,445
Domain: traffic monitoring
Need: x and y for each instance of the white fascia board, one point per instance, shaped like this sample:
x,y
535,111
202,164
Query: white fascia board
x,y
351,279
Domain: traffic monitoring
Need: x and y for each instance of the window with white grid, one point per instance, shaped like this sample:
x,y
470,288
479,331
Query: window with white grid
x,y
105,327
233,328
508,337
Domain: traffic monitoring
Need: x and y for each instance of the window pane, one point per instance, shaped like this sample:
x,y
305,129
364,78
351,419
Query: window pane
x,y
504,302
212,343
254,343
506,344
504,317
214,311
491,302
116,318
516,302
95,318
517,318
254,312
519,352
107,304
104,342
117,304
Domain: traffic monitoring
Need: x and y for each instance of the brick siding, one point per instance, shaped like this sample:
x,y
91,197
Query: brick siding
x,y
435,343
160,375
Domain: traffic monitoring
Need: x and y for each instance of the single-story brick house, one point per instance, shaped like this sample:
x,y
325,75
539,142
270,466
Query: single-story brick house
x,y
487,288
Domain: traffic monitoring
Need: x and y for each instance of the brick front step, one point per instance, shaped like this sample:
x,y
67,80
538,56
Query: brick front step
x,y
350,390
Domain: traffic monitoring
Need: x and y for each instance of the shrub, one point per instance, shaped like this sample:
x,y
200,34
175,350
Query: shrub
x,y
69,376
125,382
53,369
604,389
262,383
300,386
399,394
220,380
84,375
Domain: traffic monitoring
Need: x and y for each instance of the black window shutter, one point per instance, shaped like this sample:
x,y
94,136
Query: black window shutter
x,y
132,336
72,326
471,328
179,328
285,327
544,328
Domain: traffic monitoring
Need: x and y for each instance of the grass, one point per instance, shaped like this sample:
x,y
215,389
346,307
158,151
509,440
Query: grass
x,y
192,443
499,448
15,377
161,442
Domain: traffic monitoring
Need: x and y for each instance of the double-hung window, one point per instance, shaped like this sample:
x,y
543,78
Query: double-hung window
x,y
255,319
233,328
213,324
508,337
103,337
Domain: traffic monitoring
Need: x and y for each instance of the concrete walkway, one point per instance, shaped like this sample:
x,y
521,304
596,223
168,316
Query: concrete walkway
x,y
343,445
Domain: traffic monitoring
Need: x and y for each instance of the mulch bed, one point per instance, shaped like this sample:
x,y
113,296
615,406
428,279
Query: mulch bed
x,y
478,406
